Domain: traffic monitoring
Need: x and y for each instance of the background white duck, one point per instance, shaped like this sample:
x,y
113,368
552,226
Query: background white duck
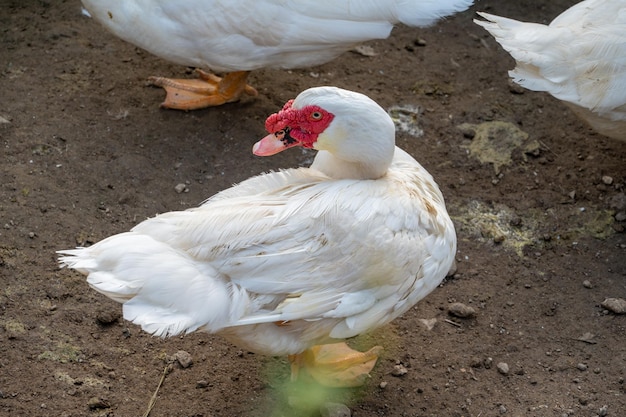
x,y
579,58
238,36
291,259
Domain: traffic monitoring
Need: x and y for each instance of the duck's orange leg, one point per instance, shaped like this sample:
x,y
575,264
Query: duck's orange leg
x,y
210,90
335,365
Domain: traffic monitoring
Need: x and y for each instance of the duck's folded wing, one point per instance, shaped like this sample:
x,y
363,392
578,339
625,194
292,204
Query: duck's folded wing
x,y
316,251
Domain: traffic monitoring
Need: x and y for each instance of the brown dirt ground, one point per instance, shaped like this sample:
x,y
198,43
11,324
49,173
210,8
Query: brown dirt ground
x,y
88,153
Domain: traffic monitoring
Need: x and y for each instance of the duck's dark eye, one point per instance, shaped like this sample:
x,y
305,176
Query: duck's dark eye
x,y
316,115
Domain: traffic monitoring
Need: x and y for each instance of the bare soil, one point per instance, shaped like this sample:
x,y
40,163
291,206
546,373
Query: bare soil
x,y
87,152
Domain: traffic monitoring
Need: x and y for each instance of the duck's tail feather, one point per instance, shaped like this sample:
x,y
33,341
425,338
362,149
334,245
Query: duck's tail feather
x,y
163,290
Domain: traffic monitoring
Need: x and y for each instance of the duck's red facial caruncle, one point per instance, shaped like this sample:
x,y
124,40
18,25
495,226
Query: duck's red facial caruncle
x,y
292,127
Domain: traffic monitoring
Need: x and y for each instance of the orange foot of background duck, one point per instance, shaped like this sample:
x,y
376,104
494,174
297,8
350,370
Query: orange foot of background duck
x,y
208,91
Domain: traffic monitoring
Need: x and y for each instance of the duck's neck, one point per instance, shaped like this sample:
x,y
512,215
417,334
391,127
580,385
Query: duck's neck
x,y
338,168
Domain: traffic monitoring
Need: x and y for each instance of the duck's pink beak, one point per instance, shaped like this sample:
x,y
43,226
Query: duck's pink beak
x,y
274,143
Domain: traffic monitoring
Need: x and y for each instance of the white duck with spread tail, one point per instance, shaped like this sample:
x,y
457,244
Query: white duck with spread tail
x,y
580,58
238,36
289,260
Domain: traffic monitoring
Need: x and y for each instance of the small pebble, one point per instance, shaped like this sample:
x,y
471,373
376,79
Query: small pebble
x,y
503,368
365,50
335,410
615,305
202,384
183,358
476,362
108,316
603,411
461,310
181,188
429,323
383,385
581,367
587,284
487,363
399,370
607,180
96,403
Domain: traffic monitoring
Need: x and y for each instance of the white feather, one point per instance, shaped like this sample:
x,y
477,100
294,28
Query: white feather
x,y
580,58
238,35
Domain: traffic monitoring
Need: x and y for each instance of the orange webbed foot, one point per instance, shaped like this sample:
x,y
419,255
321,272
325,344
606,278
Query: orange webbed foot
x,y
335,365
207,91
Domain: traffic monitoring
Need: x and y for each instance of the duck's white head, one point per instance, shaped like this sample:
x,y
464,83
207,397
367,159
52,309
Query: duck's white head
x,y
355,136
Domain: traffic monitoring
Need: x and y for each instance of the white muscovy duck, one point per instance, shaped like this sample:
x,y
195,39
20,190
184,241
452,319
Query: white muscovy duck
x,y
580,58
238,36
288,260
